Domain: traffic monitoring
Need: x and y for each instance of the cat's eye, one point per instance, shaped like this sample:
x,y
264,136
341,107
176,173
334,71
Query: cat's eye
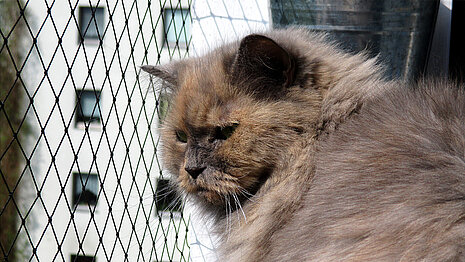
x,y
181,136
225,132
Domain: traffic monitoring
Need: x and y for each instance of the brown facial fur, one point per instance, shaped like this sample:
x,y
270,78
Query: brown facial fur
x,y
230,87
324,159
203,101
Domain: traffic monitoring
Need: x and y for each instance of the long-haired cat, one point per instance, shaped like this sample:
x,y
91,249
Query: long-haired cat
x,y
302,152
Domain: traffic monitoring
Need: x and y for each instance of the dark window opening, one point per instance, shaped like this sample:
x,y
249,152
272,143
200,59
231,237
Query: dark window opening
x,y
91,22
166,198
177,24
79,258
88,109
85,189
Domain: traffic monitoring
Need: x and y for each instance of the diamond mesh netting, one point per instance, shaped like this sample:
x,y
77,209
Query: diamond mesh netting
x,y
80,172
78,152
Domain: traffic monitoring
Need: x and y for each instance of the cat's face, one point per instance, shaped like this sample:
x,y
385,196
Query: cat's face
x,y
233,115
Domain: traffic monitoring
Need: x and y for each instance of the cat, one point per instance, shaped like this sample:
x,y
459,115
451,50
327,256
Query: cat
x,y
303,152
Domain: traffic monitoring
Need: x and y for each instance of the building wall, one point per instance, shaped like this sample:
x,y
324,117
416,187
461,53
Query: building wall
x,y
119,219
122,220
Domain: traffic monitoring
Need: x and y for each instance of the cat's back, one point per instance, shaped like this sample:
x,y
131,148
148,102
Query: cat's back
x,y
389,183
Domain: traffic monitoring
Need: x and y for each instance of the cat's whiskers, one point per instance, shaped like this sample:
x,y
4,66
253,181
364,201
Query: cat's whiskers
x,y
162,193
245,193
175,201
237,208
165,191
228,216
236,199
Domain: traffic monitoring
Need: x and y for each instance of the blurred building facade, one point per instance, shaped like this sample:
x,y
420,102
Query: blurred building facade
x,y
96,165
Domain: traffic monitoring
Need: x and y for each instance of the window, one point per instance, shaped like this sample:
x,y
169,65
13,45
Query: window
x,y
85,189
88,109
79,258
88,25
177,27
166,198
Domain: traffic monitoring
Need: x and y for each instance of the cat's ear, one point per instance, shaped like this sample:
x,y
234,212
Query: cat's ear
x,y
259,57
166,72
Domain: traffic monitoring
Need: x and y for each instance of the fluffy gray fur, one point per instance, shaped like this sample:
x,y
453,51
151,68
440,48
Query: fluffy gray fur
x,y
341,164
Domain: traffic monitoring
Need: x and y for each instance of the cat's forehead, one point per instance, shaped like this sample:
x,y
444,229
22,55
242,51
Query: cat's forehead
x,y
204,96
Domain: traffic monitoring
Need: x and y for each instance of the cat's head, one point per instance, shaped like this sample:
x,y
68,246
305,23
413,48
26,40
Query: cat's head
x,y
235,113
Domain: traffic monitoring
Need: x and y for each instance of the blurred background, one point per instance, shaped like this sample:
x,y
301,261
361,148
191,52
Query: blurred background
x,y
80,173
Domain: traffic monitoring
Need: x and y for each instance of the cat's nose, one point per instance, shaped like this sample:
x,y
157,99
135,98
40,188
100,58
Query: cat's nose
x,y
194,172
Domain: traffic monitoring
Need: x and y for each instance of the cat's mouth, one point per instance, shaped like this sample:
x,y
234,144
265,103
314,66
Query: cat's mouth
x,y
218,187
211,196
229,190
214,193
201,189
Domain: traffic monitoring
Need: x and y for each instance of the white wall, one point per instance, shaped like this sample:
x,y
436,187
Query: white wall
x,y
126,166
214,22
